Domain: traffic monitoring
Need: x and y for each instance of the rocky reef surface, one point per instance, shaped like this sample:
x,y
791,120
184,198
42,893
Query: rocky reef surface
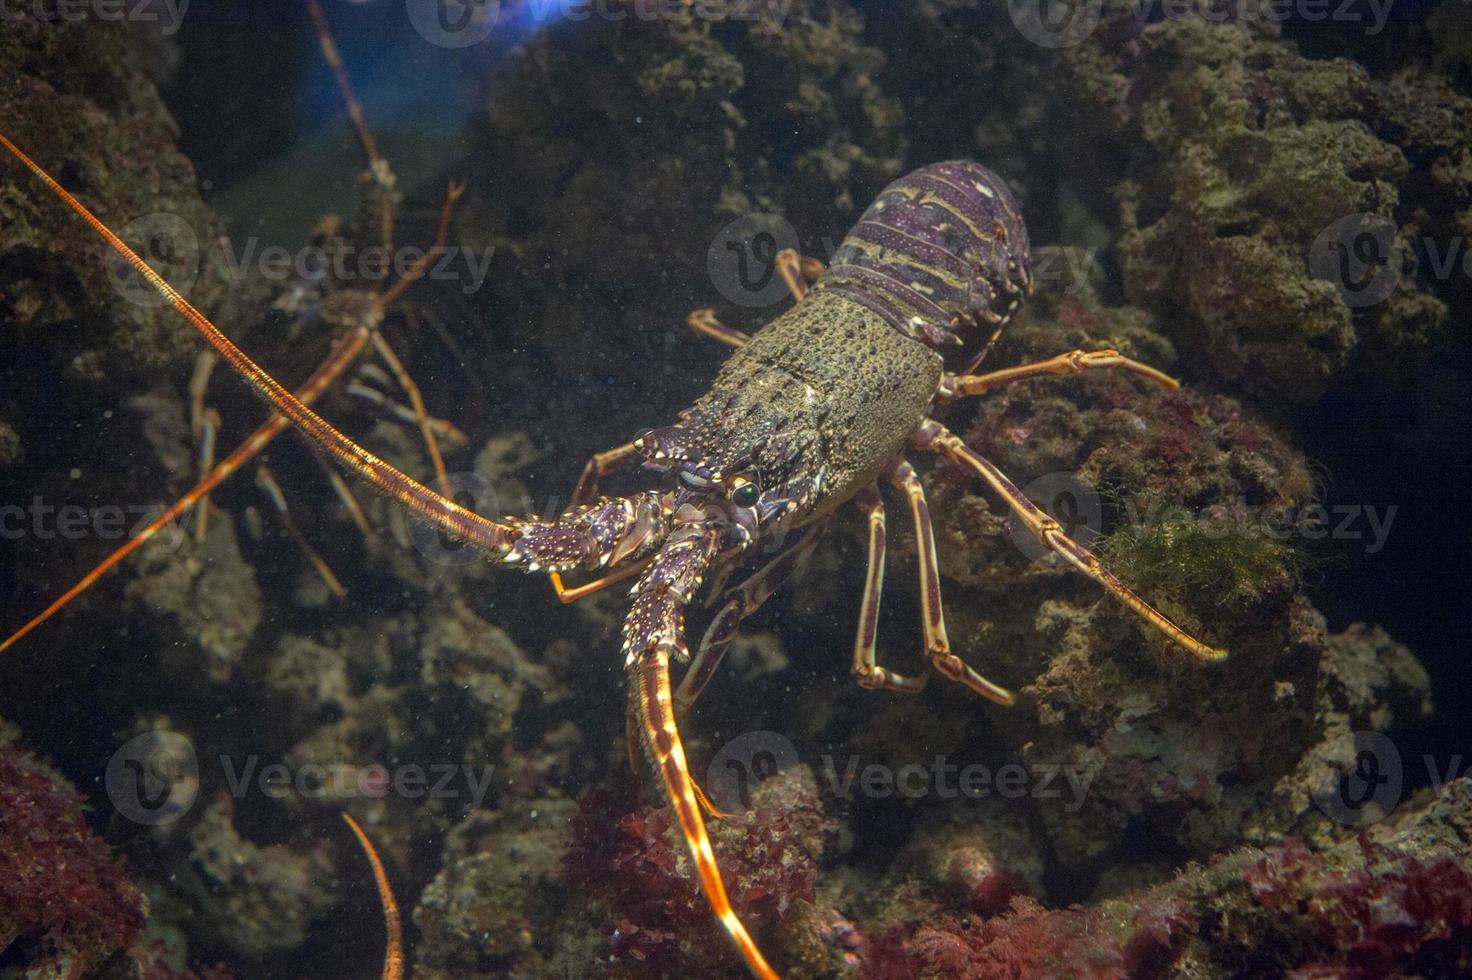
x,y
1137,813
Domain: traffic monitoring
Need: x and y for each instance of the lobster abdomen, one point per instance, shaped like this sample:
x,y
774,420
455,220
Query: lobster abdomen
x,y
941,250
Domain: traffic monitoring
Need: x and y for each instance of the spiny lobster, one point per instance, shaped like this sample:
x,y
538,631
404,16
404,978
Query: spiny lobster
x,y
814,410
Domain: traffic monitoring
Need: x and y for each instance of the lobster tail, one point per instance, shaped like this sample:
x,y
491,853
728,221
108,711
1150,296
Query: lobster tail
x,y
941,250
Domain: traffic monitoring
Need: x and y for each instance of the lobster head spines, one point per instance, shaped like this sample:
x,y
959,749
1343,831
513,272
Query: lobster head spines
x,y
739,454
940,252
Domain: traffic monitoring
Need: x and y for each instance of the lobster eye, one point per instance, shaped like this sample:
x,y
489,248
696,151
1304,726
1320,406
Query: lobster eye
x,y
744,493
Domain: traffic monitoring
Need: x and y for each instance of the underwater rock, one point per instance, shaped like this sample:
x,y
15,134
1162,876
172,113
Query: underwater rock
x,y
497,905
1394,903
211,592
62,288
611,155
65,904
248,899
632,869
1202,508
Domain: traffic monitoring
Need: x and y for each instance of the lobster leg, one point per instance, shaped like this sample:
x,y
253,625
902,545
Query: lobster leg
x,y
938,439
1073,362
869,673
737,603
599,466
797,271
933,623
703,321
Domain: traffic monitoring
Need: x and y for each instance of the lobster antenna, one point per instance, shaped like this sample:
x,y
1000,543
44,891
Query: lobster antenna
x,y
393,956
441,511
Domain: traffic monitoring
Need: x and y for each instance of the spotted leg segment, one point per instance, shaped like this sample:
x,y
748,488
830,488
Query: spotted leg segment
x,y
866,669
653,633
937,438
933,623
737,603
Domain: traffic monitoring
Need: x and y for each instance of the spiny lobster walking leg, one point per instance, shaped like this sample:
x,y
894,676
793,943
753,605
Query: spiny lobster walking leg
x,y
739,602
932,619
937,438
796,271
267,482
865,668
703,321
1074,362
653,632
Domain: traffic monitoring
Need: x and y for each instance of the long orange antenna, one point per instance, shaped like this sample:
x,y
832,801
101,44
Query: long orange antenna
x,y
326,372
393,956
656,713
344,85
449,516
337,361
